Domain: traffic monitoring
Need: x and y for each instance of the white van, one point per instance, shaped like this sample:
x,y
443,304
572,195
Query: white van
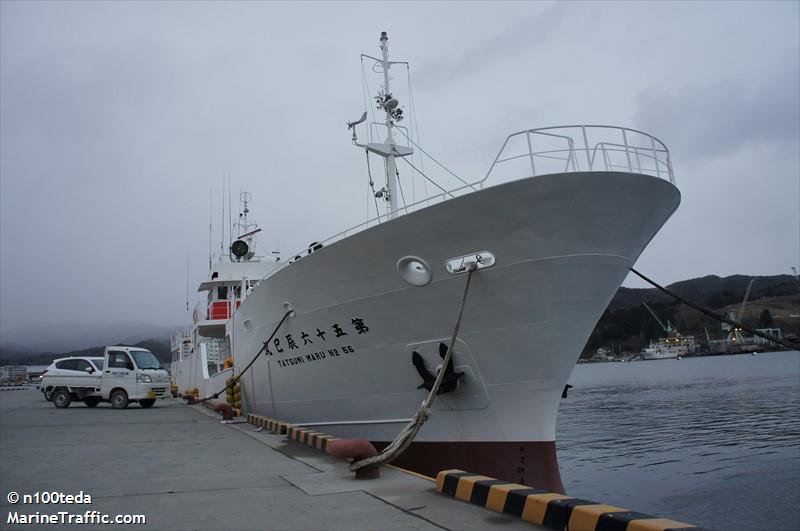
x,y
129,374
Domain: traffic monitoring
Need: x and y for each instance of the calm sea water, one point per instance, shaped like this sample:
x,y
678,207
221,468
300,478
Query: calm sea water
x,y
711,441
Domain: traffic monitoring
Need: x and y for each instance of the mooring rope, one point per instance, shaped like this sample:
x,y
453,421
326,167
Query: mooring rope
x,y
233,381
406,437
718,317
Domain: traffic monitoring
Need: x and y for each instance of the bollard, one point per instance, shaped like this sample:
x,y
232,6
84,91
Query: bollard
x,y
356,449
225,409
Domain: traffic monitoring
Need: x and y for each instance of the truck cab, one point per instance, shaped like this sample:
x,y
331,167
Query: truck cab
x,y
127,374
132,374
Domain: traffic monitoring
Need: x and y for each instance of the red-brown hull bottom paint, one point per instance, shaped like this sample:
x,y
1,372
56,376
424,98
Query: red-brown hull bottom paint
x,y
356,449
531,463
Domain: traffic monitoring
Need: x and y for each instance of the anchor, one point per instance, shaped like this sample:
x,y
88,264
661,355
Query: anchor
x,y
450,379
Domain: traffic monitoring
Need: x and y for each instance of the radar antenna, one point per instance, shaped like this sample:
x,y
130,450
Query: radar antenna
x,y
243,249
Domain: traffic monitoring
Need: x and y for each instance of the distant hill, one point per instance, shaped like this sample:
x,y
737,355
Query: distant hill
x,y
16,347
626,325
160,347
65,337
711,290
41,345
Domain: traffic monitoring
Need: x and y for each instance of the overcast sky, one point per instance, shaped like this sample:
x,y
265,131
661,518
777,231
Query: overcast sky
x,y
117,121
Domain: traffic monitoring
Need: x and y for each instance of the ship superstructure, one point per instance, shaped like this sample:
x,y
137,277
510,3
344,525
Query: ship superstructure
x,y
202,356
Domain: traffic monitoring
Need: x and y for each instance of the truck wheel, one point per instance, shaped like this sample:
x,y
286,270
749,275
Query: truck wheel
x,y
147,402
91,401
119,399
61,398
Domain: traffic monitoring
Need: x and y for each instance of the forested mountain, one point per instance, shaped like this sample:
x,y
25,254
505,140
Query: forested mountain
x,y
627,326
158,346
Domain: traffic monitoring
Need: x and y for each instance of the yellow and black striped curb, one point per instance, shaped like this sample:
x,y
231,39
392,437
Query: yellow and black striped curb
x,y
311,438
548,509
306,436
272,425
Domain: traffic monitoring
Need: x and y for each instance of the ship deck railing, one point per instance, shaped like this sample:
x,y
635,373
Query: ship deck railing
x,y
179,337
545,151
215,310
579,148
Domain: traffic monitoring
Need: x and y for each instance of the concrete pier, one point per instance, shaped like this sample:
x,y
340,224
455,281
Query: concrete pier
x,y
181,468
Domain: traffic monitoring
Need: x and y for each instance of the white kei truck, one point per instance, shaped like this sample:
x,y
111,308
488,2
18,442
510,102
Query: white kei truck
x,y
128,374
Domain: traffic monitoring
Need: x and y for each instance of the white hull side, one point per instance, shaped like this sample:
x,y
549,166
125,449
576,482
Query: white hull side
x,y
664,354
661,357
563,245
192,373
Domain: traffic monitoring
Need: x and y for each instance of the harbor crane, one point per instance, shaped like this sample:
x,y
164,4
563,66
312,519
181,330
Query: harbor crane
x,y
734,332
667,328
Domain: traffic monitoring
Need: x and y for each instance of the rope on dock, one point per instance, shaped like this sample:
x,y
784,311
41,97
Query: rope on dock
x,y
720,318
406,437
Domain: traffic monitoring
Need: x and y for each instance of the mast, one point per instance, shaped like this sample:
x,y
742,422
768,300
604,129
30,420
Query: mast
x,y
391,168
388,149
210,228
222,225
243,249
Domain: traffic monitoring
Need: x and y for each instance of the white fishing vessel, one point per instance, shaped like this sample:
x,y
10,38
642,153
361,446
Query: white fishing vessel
x,y
672,346
675,346
552,228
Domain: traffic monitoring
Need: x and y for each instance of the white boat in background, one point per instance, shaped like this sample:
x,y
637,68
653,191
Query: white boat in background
x,y
675,346
553,228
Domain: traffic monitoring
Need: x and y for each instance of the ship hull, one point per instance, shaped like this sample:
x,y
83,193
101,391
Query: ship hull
x,y
662,355
532,463
563,244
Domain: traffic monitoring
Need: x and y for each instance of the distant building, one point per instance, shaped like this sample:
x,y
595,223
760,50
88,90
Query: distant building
x,y
603,354
13,373
774,332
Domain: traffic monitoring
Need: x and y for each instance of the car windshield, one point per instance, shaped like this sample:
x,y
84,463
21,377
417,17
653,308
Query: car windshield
x,y
98,363
145,359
